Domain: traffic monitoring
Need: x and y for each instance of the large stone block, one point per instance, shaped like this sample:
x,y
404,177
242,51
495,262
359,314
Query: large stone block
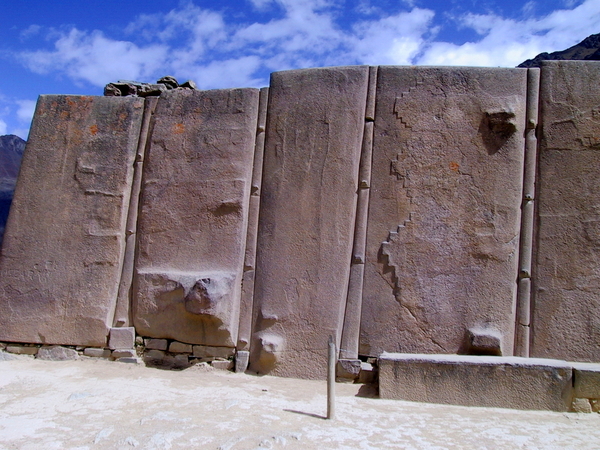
x,y
489,381
193,216
308,203
443,226
63,249
566,297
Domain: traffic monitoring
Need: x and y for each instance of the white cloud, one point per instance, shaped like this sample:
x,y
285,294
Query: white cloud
x,y
25,110
391,40
231,73
30,31
260,4
302,29
508,42
15,116
94,58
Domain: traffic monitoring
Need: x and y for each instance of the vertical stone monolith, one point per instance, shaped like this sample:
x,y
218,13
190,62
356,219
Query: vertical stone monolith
x,y
351,330
247,296
444,210
122,316
312,151
194,215
566,305
65,240
523,313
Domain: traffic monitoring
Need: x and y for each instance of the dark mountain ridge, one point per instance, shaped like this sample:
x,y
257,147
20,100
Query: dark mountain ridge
x,y
11,152
586,50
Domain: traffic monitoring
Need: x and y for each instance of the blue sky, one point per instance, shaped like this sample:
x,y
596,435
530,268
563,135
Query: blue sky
x,y
77,46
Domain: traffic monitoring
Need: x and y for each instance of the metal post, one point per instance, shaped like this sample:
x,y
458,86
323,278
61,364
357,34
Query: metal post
x,y
331,379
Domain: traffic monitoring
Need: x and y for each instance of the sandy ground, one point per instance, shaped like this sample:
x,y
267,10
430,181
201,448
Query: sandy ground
x,y
96,404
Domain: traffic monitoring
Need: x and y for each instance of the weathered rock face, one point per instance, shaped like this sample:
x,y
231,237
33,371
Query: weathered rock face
x,y
443,227
193,216
566,309
308,203
11,152
63,250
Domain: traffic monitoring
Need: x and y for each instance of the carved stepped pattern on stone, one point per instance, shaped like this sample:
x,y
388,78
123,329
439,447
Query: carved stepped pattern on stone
x,y
398,110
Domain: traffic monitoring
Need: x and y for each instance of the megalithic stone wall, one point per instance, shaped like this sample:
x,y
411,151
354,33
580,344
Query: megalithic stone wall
x,y
403,209
65,240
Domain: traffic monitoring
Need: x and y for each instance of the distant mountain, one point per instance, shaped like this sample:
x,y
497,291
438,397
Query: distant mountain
x,y
11,152
588,50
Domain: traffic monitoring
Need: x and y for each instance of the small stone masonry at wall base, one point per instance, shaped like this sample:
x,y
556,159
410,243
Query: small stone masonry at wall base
x,y
159,353
490,381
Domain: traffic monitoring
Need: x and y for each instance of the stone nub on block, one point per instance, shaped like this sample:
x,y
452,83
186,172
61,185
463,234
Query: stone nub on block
x,y
489,381
484,342
123,337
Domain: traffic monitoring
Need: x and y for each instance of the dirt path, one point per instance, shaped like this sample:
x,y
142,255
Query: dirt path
x,y
96,404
